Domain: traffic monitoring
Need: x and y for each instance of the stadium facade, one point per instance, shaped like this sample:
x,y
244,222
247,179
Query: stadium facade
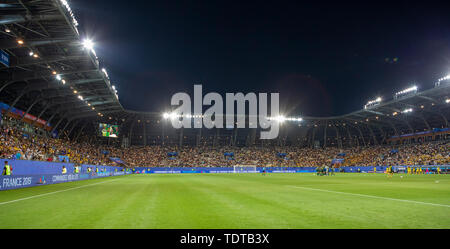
x,y
51,78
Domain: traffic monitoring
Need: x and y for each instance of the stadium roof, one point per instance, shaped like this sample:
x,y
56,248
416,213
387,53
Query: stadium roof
x,y
51,67
54,74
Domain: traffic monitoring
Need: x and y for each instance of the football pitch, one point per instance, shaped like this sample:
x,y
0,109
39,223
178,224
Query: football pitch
x,y
233,201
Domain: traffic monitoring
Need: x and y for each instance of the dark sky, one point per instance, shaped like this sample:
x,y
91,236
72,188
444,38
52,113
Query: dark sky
x,y
324,59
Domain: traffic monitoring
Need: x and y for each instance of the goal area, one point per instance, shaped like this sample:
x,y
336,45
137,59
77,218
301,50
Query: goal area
x,y
244,169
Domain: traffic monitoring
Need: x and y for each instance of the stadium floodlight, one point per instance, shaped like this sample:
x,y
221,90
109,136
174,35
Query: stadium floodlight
x,y
104,71
409,90
80,97
372,103
294,119
447,101
7,30
280,119
166,115
407,110
20,41
31,53
58,77
88,44
442,79
63,81
35,55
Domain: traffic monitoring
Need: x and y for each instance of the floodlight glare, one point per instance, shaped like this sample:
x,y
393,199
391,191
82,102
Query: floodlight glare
x,y
166,115
447,101
372,102
280,118
407,90
88,44
58,77
444,78
407,110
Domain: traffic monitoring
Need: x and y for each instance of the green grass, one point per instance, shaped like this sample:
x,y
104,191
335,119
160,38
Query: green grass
x,y
233,201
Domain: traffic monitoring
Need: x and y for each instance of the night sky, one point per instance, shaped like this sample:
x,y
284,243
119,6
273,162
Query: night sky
x,y
324,59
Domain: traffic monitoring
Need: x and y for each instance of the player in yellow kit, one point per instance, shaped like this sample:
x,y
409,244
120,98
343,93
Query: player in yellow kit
x,y
389,172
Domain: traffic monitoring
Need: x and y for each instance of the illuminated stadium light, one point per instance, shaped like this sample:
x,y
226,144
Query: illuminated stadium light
x,y
31,53
442,79
89,104
69,10
80,97
58,77
407,110
7,30
294,119
20,41
282,118
447,101
63,81
88,44
372,103
104,71
54,72
35,55
93,108
406,91
75,91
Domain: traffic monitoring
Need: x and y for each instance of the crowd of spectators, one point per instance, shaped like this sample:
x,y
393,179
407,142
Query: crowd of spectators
x,y
16,144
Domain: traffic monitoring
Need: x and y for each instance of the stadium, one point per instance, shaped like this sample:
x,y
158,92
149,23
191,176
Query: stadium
x,y
70,149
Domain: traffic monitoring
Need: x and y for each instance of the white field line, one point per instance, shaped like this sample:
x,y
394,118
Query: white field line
x,y
370,196
54,192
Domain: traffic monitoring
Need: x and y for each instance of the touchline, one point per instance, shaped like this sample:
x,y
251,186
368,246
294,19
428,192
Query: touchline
x,y
213,117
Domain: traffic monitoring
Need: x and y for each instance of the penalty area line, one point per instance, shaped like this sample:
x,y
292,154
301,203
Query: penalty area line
x,y
54,192
370,196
